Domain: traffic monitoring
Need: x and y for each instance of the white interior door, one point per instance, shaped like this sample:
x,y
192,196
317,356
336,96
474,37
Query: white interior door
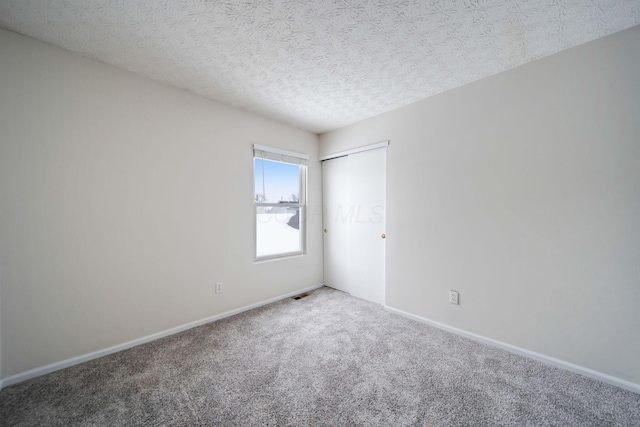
x,y
367,195
354,194
336,232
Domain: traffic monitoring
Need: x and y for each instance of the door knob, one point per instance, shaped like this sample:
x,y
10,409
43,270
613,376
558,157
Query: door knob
x,y
325,231
384,236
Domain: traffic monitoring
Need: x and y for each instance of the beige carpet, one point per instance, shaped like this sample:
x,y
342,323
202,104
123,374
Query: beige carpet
x,y
325,360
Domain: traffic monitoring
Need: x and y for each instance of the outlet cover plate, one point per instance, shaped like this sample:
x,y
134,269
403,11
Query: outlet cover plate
x,y
453,297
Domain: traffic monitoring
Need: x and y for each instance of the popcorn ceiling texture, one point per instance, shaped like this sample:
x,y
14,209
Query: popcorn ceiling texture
x,y
317,65
329,359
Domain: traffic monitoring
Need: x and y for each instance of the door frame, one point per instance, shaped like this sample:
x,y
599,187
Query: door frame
x,y
370,147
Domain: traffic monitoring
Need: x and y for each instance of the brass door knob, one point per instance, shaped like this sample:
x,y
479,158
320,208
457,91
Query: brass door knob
x,y
325,231
384,236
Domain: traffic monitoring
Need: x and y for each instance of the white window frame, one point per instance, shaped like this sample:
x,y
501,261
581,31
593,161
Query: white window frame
x,y
283,156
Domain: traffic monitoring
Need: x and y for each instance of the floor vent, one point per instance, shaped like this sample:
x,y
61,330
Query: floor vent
x,y
301,296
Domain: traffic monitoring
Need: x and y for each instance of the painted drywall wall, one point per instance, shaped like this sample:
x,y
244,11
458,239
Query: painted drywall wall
x,y
522,192
1,377
122,202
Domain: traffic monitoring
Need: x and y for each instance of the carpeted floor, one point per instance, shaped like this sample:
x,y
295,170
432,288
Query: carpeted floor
x,y
325,360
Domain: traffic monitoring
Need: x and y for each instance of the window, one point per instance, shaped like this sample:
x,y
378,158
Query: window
x,y
279,198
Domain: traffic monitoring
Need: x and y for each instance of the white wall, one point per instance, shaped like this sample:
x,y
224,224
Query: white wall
x,y
1,377
522,192
122,202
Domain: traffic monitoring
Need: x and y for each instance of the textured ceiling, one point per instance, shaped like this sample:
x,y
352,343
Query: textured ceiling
x,y
317,65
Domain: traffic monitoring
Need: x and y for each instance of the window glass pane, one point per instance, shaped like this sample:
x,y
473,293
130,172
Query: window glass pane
x,y
276,182
277,230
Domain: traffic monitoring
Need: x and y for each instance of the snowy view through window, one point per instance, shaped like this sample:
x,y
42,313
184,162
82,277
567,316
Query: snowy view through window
x,y
277,204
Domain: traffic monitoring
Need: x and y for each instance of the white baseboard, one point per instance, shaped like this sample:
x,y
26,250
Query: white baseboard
x,y
590,373
36,372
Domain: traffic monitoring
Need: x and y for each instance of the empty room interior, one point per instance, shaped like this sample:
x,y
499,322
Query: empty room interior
x,y
349,212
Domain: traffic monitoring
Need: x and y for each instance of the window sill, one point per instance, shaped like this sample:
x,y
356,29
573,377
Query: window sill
x,y
278,257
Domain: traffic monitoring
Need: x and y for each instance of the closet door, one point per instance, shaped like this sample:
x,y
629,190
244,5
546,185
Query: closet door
x,y
354,194
336,231
367,195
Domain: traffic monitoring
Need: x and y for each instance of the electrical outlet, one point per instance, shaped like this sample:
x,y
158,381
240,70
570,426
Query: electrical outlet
x,y
218,287
453,297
